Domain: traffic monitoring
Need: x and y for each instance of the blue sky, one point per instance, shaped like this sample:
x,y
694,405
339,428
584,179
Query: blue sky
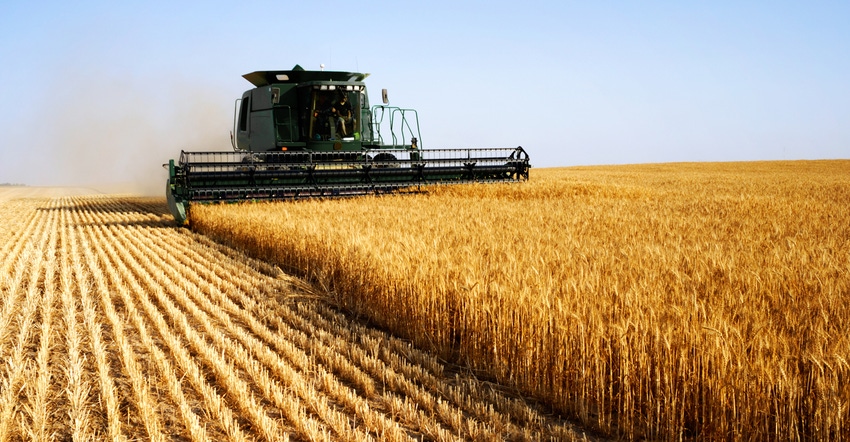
x,y
97,91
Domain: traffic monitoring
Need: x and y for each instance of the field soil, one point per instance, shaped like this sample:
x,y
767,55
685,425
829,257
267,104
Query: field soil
x,y
117,325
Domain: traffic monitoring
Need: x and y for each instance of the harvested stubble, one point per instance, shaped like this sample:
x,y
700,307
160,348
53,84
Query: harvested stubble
x,y
651,301
115,325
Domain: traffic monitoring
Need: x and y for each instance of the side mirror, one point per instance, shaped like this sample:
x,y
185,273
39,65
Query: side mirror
x,y
384,96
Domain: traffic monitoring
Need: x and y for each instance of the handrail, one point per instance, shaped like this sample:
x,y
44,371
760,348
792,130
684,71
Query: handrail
x,y
404,124
233,133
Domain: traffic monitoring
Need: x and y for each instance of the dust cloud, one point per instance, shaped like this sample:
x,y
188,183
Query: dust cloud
x,y
114,134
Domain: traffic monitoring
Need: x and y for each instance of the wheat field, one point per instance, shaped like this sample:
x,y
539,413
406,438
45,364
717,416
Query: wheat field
x,y
668,301
117,325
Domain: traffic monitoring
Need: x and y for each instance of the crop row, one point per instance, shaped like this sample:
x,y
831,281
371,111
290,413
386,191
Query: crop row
x,y
116,325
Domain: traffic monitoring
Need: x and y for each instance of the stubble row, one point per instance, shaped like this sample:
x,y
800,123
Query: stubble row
x,y
118,326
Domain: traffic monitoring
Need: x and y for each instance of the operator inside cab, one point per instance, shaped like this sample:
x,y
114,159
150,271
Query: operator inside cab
x,y
344,117
334,115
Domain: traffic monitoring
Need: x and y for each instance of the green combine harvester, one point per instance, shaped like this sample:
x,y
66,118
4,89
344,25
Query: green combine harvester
x,y
307,134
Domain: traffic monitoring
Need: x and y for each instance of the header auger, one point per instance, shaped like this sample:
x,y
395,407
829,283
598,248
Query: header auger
x,y
306,134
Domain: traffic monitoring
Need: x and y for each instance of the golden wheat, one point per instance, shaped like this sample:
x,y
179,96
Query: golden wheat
x,y
115,325
650,301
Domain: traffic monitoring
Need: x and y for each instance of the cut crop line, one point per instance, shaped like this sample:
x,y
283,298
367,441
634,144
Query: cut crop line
x,y
83,406
93,324
16,365
16,243
295,413
224,308
146,405
214,402
38,393
197,432
21,258
223,368
301,386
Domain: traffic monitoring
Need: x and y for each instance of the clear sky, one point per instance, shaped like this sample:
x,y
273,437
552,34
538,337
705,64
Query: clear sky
x,y
107,91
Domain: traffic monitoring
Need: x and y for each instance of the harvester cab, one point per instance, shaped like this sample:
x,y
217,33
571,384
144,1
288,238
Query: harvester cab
x,y
302,134
317,111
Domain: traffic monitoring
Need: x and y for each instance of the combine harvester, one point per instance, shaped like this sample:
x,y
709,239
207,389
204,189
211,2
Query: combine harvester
x,y
308,134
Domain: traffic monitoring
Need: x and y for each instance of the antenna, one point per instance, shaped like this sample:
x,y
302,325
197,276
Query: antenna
x,y
322,66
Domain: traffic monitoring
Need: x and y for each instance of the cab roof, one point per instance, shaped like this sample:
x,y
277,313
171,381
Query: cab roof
x,y
298,75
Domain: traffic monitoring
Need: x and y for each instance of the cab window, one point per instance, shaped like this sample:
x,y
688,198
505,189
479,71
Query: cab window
x,y
335,114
